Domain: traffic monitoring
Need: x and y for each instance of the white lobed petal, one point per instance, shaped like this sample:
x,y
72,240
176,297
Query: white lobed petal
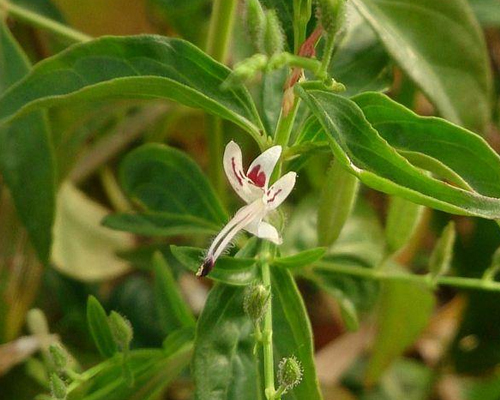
x,y
280,190
262,167
264,230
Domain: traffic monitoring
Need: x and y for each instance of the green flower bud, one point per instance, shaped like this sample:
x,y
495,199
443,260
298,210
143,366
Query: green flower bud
x,y
331,14
59,356
57,387
289,373
256,302
121,329
440,260
274,37
255,20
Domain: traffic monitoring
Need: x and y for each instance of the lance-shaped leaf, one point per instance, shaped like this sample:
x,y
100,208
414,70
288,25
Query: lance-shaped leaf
x,y
97,321
224,366
441,47
292,332
175,195
230,270
440,260
146,66
26,160
360,148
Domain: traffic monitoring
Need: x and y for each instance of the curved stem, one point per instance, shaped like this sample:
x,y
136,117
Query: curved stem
x,y
42,22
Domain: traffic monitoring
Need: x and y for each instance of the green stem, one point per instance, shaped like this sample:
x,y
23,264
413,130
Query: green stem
x,y
327,56
285,125
267,333
426,280
219,35
42,22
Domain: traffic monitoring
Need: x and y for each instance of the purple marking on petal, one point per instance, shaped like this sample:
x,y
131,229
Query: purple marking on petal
x,y
206,267
257,176
233,164
274,196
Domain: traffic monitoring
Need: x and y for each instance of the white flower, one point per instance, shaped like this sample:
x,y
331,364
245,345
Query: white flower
x,y
253,188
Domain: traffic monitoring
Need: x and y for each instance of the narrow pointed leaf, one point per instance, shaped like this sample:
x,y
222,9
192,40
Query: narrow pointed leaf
x,y
441,47
146,66
359,147
97,321
26,154
300,260
441,256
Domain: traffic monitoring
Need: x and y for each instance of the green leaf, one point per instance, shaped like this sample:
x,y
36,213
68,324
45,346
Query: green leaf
x,y
338,196
224,366
172,309
468,162
83,249
360,62
292,333
441,48
440,260
97,321
172,189
300,260
487,12
230,270
359,147
26,154
145,66
403,218
405,310
153,371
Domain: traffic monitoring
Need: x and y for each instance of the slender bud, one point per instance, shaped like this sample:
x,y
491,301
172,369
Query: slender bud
x,y
331,14
121,329
37,322
256,302
273,34
58,387
289,373
59,356
255,20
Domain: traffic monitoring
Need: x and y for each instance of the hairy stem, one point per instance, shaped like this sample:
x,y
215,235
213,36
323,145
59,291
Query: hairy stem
x,y
42,22
267,338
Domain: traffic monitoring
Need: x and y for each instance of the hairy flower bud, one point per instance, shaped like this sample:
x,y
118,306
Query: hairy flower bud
x,y
58,388
256,302
255,21
289,372
274,37
331,14
59,356
121,330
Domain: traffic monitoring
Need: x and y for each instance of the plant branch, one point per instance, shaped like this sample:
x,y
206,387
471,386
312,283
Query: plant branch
x,y
426,280
42,22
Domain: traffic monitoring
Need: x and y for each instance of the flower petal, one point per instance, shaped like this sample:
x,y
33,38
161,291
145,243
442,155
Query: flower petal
x,y
262,167
233,167
277,193
264,230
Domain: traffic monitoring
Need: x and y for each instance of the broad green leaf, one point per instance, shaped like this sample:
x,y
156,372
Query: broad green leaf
x,y
83,249
403,218
146,67
172,189
172,309
26,159
300,260
153,371
230,270
224,366
359,147
405,310
468,161
487,12
292,333
360,62
97,322
338,196
441,48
